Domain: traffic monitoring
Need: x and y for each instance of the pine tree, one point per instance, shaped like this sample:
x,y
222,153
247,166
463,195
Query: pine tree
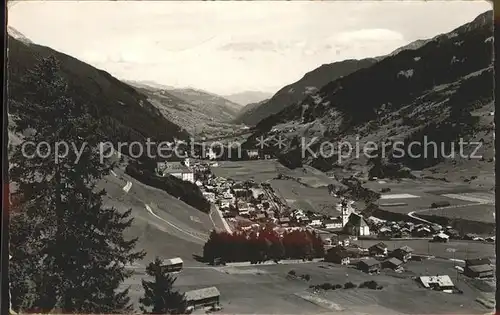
x,y
69,252
159,297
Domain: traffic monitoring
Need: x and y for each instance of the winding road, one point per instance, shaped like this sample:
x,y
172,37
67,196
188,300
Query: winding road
x,y
412,214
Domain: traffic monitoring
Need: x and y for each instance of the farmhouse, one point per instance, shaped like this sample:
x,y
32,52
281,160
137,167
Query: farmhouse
x,y
392,263
175,169
333,224
337,255
478,268
441,237
479,271
369,265
203,297
440,283
403,253
253,154
357,225
173,264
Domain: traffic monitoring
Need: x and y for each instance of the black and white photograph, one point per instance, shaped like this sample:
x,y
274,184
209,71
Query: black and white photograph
x,y
250,157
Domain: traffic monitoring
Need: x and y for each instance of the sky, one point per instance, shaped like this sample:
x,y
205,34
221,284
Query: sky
x,y
228,47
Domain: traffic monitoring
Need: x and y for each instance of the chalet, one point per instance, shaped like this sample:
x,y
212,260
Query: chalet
x,y
453,234
392,263
176,169
478,268
470,236
356,225
338,256
441,238
333,224
440,283
253,154
369,265
206,297
284,221
402,253
385,231
173,264
436,228
315,222
210,196
379,249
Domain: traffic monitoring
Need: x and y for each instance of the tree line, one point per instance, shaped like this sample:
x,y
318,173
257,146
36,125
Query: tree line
x,y
265,244
69,252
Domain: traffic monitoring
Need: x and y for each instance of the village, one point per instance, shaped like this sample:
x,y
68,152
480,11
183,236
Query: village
x,y
349,239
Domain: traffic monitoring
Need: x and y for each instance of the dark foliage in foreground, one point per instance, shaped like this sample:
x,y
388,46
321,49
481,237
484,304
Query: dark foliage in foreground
x,y
68,250
159,296
267,245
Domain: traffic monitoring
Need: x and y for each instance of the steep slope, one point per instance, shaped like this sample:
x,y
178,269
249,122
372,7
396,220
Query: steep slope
x,y
295,92
442,90
248,97
249,109
215,106
199,120
126,114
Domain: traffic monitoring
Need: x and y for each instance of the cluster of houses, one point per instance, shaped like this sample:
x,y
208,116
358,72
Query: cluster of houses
x,y
378,257
391,229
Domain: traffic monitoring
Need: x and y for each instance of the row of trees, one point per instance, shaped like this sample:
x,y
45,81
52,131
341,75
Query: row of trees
x,y
68,250
262,245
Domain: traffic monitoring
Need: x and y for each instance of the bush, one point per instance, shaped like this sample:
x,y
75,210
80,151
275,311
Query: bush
x,y
338,286
292,273
306,277
185,191
349,285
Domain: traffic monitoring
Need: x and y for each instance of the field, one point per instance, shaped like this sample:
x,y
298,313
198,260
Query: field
x,y
464,200
259,170
267,289
176,229
464,249
265,170
306,198
481,213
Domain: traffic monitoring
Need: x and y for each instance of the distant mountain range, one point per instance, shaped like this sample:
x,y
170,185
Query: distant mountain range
x,y
441,88
248,97
295,92
127,115
199,112
309,84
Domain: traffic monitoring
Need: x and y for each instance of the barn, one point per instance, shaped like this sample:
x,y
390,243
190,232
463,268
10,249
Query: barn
x,y
206,297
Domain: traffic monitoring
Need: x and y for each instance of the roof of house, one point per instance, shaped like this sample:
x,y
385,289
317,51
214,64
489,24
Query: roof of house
x,y
394,261
442,281
380,246
176,167
339,253
357,220
370,262
481,268
442,235
172,261
477,262
200,294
